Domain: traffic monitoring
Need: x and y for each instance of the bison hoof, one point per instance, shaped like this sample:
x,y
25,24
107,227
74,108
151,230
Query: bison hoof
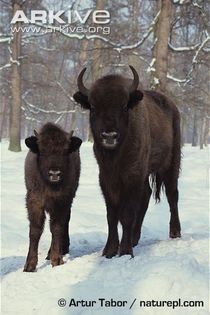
x,y
174,233
65,250
57,262
110,251
135,241
29,267
126,251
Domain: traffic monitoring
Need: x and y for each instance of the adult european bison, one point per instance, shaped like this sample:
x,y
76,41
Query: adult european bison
x,y
136,134
52,170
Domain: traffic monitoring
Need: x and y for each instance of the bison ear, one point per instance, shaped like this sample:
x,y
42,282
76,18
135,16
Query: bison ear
x,y
31,143
74,144
81,99
135,97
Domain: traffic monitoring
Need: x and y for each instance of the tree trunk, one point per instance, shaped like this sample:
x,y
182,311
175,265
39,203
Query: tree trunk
x,y
183,129
195,131
96,66
203,132
15,111
135,7
206,131
3,116
160,50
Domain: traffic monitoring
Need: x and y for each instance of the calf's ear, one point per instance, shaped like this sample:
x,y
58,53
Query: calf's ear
x,y
81,99
134,98
74,144
31,143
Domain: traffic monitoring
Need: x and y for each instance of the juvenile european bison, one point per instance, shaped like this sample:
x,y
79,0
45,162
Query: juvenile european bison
x,y
136,134
52,170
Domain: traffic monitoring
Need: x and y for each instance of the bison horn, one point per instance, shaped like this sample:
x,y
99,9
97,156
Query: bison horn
x,y
36,133
135,83
80,84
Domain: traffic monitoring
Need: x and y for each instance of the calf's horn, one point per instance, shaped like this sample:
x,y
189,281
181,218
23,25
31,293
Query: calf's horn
x,y
36,133
80,83
135,82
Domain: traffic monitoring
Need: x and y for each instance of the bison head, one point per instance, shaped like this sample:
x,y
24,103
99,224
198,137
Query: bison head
x,y
109,100
53,147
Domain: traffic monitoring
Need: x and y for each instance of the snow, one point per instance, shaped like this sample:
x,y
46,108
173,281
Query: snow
x,y
163,269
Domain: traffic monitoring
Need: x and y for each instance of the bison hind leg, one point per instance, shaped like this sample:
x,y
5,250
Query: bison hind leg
x,y
172,194
147,191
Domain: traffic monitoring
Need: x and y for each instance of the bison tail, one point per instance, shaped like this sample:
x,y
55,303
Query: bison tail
x,y
157,184
176,153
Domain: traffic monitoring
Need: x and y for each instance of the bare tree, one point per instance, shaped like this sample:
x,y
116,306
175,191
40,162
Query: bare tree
x,y
15,111
160,50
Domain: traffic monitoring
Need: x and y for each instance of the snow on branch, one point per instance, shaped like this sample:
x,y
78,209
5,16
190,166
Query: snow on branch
x,y
175,79
8,65
36,110
201,47
28,117
64,91
116,46
5,39
14,61
183,49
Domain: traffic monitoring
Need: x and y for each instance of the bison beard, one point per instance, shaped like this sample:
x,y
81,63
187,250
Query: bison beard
x,y
52,170
147,125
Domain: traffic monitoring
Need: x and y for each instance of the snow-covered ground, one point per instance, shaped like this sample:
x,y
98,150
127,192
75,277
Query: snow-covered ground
x,y
163,269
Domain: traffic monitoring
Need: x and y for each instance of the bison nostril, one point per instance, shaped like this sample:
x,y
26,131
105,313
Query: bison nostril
x,y
56,173
54,176
109,135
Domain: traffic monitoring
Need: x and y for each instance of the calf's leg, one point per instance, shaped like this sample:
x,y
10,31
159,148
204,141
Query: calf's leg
x,y
36,217
57,230
65,238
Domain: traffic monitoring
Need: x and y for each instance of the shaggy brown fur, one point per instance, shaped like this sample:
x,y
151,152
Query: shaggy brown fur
x,y
146,127
52,169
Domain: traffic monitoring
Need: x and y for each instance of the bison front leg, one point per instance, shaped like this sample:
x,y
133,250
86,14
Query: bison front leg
x,y
127,216
55,253
112,243
65,241
127,221
36,218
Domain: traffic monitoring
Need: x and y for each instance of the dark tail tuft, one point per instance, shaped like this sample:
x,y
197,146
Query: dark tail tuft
x,y
157,184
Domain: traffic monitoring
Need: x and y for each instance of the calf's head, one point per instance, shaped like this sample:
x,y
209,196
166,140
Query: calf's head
x,y
53,147
109,100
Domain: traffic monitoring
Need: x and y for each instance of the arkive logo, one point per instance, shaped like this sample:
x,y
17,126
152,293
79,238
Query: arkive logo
x,y
62,17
